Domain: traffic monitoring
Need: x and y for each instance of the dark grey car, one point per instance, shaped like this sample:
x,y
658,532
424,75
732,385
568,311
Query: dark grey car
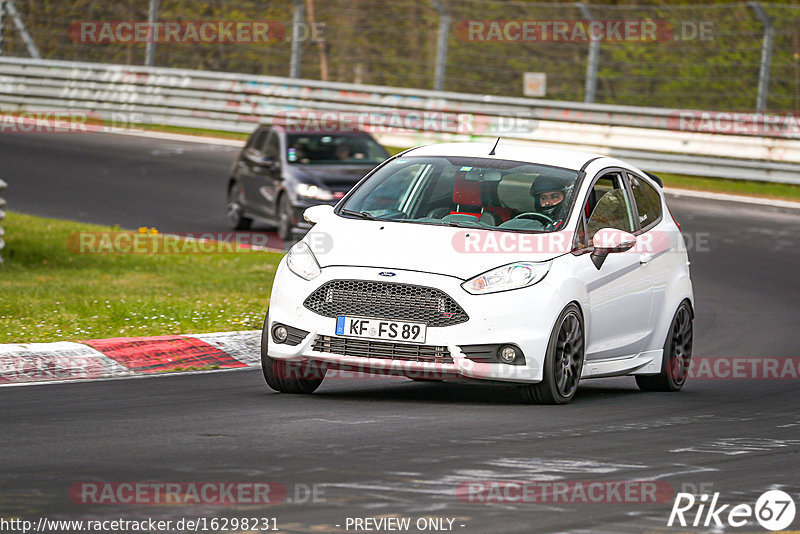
x,y
279,173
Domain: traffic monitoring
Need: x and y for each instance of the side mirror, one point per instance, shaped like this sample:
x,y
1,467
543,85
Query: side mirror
x,y
315,214
610,241
269,163
258,160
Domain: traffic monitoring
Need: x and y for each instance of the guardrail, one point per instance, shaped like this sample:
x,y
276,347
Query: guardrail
x,y
3,185
236,102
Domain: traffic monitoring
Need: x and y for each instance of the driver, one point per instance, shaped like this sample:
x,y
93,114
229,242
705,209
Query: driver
x,y
342,153
549,193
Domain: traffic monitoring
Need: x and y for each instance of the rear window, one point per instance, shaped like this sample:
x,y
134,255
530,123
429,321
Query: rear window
x,y
648,201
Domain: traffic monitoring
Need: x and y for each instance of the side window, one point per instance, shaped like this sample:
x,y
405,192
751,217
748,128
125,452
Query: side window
x,y
648,201
273,147
257,140
390,195
608,206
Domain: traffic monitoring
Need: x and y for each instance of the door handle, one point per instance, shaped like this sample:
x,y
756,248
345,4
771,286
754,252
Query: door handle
x,y
645,258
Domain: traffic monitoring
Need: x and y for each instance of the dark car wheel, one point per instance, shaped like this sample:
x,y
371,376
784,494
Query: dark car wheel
x,y
288,377
286,220
563,362
235,211
677,354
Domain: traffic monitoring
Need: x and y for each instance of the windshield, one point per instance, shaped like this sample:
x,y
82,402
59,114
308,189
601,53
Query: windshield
x,y
332,149
469,192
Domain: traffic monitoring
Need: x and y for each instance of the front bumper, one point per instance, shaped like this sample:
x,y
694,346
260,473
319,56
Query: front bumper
x,y
523,317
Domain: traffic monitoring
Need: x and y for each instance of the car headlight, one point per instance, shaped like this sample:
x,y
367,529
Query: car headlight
x,y
301,261
313,191
513,276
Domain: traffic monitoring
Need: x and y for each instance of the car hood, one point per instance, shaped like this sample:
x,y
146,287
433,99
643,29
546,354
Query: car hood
x,y
460,252
332,176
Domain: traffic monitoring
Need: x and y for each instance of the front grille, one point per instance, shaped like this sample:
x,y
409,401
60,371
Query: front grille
x,y
385,300
367,348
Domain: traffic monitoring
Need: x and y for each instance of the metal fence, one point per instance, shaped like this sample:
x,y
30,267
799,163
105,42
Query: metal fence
x,y
736,56
650,137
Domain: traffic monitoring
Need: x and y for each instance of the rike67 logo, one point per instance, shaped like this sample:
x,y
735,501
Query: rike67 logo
x,y
774,510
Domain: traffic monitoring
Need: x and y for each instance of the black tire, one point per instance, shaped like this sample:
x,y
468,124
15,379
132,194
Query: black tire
x,y
563,362
286,220
677,354
235,210
288,377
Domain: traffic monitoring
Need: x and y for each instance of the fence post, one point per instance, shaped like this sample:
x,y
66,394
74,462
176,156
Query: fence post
x,y
297,45
594,57
766,56
2,216
150,47
2,24
441,44
23,31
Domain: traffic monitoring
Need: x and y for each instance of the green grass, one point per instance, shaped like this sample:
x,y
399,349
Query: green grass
x,y
50,293
192,131
736,187
395,149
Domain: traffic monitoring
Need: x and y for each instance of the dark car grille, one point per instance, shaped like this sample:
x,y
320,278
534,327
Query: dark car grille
x,y
385,300
367,348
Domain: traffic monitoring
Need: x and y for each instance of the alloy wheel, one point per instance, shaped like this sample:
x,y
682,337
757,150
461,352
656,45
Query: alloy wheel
x,y
680,346
569,355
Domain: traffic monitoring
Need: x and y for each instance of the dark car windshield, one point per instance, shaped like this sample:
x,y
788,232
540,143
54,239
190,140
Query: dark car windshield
x,y
469,192
331,149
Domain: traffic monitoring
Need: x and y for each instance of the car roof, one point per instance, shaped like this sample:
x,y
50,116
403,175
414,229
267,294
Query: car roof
x,y
556,157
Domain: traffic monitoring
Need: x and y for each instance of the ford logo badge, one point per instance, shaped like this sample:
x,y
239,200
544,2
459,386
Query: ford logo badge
x,y
386,273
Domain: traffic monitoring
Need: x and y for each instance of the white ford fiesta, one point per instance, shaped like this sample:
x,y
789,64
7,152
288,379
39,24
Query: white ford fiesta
x,y
505,264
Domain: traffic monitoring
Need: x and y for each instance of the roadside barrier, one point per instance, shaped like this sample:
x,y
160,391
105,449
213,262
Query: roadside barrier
x,y
720,144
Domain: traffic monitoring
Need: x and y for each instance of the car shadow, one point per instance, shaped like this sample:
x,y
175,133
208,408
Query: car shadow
x,y
459,393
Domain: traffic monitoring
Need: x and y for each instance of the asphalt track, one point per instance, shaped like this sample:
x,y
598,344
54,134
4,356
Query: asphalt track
x,y
382,448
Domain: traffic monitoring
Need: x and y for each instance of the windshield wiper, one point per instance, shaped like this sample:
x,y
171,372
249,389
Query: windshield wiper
x,y
360,214
456,224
